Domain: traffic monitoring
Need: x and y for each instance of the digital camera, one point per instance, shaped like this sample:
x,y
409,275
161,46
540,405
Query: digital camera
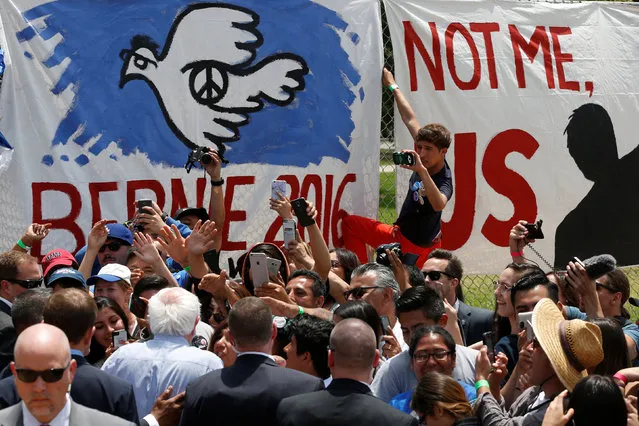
x,y
380,253
403,158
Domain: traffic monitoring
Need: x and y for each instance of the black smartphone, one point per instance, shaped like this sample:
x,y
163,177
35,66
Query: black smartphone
x,y
534,230
299,207
385,324
489,340
403,158
144,203
138,307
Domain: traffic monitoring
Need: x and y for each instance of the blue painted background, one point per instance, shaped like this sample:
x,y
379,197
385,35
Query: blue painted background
x,y
95,31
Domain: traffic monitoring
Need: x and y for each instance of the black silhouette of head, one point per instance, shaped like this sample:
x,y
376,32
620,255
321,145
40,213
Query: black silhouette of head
x,y
591,141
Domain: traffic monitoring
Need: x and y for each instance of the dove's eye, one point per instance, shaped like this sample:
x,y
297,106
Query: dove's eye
x,y
141,63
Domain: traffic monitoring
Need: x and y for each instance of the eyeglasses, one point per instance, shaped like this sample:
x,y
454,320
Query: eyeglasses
x,y
112,246
600,285
425,356
502,285
435,275
50,376
359,292
28,284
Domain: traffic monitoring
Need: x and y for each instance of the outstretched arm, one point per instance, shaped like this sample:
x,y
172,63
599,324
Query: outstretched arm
x,y
404,108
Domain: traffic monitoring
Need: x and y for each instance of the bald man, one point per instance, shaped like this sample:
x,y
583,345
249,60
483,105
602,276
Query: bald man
x,y
43,372
348,400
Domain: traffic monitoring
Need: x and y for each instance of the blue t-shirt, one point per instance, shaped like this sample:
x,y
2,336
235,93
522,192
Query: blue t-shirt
x,y
182,278
402,401
417,220
509,346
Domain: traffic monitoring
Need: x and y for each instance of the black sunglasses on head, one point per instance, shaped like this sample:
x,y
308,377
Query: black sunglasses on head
x,y
435,275
113,246
28,284
359,292
50,376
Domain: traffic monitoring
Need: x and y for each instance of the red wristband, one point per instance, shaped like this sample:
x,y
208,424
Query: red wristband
x,y
517,254
621,378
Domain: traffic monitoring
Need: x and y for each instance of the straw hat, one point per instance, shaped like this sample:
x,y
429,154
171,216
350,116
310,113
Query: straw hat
x,y
571,346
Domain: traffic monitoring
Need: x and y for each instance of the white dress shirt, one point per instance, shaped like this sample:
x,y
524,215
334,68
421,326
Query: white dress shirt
x,y
62,419
153,365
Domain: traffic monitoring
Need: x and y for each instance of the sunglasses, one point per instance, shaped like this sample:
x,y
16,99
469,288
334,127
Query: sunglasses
x,y
112,246
600,285
28,284
50,376
435,275
359,292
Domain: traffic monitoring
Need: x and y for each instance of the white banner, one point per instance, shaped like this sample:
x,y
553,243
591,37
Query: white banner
x,y
542,100
102,101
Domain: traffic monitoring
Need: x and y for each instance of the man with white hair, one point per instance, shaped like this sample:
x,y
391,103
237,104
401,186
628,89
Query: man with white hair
x,y
376,284
168,359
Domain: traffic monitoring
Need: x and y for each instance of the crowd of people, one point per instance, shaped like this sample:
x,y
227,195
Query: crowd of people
x,y
143,327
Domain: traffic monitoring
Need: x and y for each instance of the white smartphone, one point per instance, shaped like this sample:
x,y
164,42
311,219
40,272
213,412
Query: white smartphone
x,y
273,266
289,231
118,337
278,186
524,319
259,269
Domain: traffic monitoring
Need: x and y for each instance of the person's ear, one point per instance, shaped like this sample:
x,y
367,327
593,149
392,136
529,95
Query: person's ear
x,y
443,321
376,359
443,151
454,282
86,340
331,359
320,302
12,367
438,411
274,332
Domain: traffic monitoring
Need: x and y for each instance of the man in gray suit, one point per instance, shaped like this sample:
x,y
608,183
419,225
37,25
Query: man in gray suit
x,y
43,372
18,273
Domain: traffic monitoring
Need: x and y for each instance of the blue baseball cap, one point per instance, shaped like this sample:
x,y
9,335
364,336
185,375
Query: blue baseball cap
x,y
120,232
68,274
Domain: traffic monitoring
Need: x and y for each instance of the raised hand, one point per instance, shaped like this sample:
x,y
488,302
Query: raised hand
x,y
173,243
145,249
282,206
214,168
98,234
202,239
555,413
35,232
274,291
214,284
391,345
151,218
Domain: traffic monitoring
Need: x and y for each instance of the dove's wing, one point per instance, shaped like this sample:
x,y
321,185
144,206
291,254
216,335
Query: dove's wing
x,y
275,79
205,31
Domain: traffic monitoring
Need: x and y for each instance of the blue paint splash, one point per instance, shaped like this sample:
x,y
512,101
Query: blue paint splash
x,y
95,31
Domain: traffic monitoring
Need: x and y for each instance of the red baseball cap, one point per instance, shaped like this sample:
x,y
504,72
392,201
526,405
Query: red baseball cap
x,y
58,257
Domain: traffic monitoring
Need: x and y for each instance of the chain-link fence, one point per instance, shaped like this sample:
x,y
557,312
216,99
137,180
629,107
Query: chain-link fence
x,y
478,289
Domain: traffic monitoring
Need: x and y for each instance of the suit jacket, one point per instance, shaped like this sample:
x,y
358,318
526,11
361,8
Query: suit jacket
x,y
79,416
8,339
5,316
345,402
473,322
246,393
92,388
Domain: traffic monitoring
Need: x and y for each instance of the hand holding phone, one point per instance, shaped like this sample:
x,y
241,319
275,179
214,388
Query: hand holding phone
x,y
524,319
299,207
144,203
118,336
259,269
385,324
289,231
489,340
278,187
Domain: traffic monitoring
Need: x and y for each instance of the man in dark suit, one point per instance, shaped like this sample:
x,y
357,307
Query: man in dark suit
x,y
246,393
18,273
348,400
443,273
74,312
43,370
26,311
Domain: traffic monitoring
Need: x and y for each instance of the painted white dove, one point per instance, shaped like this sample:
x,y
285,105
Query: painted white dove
x,y
204,79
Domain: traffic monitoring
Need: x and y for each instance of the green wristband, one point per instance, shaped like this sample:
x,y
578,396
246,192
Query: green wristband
x,y
22,245
187,268
300,310
481,384
392,87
